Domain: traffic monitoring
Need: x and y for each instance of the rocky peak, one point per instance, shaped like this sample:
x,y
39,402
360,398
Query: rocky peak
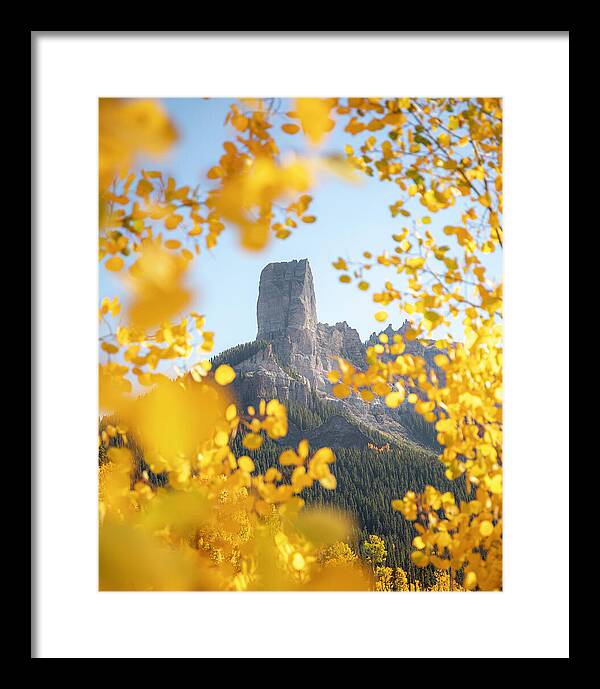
x,y
340,340
286,299
294,354
389,331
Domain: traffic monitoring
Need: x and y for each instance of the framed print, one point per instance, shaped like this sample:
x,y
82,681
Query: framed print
x,y
282,354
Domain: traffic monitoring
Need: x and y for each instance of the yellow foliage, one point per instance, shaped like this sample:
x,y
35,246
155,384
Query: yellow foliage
x,y
224,375
156,283
314,117
129,128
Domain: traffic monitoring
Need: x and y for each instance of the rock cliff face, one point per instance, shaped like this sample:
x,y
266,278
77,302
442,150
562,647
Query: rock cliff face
x,y
286,299
299,352
287,318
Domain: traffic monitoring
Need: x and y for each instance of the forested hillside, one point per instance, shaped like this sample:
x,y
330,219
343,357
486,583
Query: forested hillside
x,y
367,481
369,474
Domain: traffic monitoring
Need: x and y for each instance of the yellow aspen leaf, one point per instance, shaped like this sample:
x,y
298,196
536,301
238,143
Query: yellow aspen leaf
x,y
313,114
215,172
240,122
114,264
380,388
419,558
231,412
290,458
445,425
418,543
375,124
470,581
333,376
416,262
324,454
363,285
432,319
128,128
252,441
381,316
303,448
367,395
309,219
341,391
394,399
172,220
345,278
289,128
486,528
144,188
145,379
496,484
273,474
172,244
355,126
197,373
221,439
444,139
246,464
328,481
224,375
156,282
109,348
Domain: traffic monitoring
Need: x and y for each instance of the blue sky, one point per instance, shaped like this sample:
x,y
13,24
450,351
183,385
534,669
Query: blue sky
x,y
350,219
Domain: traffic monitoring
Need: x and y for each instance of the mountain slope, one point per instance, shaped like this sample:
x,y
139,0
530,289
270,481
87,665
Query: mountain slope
x,y
293,352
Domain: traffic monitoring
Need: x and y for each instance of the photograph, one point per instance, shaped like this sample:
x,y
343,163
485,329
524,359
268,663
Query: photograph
x,y
300,344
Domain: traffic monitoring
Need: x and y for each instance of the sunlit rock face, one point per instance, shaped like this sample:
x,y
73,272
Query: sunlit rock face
x,y
298,352
286,299
287,318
